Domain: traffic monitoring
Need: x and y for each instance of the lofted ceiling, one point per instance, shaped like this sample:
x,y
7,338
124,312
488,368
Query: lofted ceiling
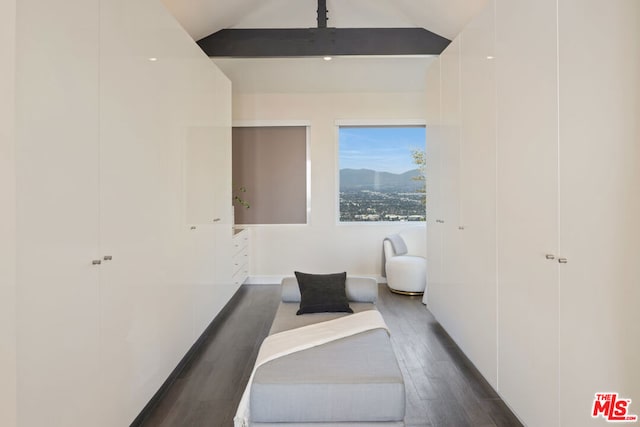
x,y
446,18
201,18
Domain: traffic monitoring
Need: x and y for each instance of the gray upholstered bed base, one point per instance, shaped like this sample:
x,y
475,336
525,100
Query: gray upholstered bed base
x,y
380,424
354,381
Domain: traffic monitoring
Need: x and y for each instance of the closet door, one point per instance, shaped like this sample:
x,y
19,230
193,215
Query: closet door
x,y
208,203
477,229
599,205
434,216
527,208
446,293
158,117
433,172
208,209
146,307
207,166
57,211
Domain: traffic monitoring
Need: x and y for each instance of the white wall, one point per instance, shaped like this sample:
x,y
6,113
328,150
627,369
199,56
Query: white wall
x,y
323,245
101,147
7,217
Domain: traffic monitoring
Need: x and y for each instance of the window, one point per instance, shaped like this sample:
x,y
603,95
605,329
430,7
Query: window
x,y
270,174
381,173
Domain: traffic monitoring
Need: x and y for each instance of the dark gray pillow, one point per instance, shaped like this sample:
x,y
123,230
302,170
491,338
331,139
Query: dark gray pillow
x,y
322,293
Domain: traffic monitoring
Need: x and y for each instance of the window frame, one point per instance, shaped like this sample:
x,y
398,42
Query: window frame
x,y
366,123
285,123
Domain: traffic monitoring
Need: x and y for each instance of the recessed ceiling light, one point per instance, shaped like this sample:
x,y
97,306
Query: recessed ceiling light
x,y
153,59
327,58
490,57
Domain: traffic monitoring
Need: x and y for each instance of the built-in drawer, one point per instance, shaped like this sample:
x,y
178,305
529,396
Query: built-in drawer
x,y
240,241
241,275
240,258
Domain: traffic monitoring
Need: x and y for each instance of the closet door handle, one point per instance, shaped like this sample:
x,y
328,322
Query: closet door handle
x,y
96,262
562,260
549,256
108,257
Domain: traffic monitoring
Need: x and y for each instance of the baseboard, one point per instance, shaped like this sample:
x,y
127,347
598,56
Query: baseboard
x,y
276,279
195,348
264,280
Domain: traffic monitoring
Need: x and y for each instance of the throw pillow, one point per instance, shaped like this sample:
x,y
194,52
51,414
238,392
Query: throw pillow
x,y
322,293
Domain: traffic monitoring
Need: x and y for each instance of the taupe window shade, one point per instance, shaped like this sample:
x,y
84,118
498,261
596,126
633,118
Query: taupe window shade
x,y
271,163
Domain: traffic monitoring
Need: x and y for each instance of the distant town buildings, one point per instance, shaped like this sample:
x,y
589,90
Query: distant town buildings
x,y
376,206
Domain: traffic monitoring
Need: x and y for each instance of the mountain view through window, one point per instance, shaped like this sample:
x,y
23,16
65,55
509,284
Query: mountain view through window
x,y
382,176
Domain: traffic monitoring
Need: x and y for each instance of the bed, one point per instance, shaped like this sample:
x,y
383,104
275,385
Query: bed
x,y
354,380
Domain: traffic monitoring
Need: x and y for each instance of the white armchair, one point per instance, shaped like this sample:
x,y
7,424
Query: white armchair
x,y
406,271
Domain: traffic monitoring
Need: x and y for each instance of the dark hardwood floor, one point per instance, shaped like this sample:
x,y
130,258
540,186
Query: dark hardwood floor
x,y
443,388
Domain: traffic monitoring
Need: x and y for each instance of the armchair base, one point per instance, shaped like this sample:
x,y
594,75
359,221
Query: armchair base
x,y
399,292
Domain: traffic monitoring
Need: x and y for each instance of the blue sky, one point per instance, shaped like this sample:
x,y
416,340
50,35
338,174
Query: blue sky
x,y
386,149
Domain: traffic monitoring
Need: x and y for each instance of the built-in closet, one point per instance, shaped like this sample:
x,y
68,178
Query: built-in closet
x,y
119,271
532,202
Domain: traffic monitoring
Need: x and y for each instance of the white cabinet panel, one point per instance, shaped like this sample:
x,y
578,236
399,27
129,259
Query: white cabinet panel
x,y
199,257
210,269
449,134
208,255
99,168
208,156
434,216
207,166
560,179
7,216
446,291
462,163
57,211
527,209
477,304
432,79
160,121
599,205
143,301
433,181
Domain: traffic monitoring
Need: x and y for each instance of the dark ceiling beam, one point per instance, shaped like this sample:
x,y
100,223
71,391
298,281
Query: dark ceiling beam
x,y
322,14
300,42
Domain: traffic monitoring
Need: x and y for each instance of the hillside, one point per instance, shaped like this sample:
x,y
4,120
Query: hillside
x,y
367,179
